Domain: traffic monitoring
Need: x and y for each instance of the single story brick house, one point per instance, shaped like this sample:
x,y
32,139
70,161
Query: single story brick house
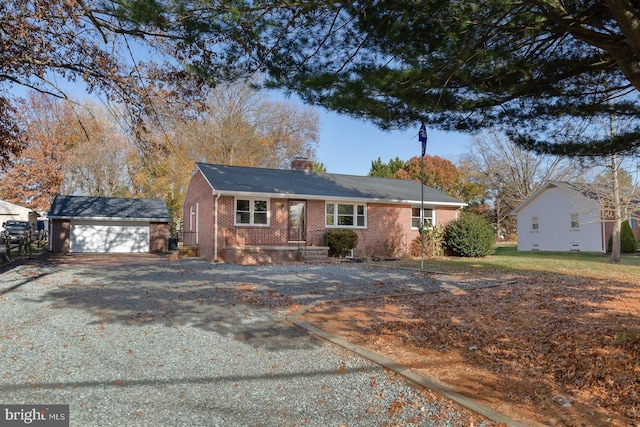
x,y
567,216
108,225
247,215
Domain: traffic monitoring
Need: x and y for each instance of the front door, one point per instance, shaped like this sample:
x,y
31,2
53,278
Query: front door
x,y
296,221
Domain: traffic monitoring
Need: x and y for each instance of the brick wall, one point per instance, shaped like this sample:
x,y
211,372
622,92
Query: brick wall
x,y
158,237
315,222
199,200
388,231
608,231
60,235
275,234
445,215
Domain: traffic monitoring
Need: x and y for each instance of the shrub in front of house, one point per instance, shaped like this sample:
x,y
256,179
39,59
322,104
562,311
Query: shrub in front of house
x,y
628,243
470,236
340,241
433,242
393,247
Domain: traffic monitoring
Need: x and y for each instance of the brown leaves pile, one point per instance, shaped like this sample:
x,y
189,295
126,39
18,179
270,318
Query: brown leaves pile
x,y
527,345
255,296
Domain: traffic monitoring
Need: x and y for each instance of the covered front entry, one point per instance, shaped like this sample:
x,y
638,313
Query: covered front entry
x,y
101,236
297,221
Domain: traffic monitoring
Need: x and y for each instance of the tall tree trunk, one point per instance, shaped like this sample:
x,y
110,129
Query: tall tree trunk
x,y
498,217
617,211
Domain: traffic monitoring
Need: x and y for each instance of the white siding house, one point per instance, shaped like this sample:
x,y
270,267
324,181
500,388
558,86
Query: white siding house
x,y
561,217
12,212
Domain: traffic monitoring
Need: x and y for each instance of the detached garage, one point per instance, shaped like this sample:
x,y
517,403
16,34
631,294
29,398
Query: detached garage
x,y
108,225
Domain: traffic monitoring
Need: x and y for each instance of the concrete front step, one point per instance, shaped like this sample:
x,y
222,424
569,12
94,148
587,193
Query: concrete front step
x,y
251,255
314,254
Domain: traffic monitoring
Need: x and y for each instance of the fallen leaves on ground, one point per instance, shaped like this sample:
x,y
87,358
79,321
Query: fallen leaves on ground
x,y
254,296
544,348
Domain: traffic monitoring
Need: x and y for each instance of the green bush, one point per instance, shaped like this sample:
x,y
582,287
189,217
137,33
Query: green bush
x,y
433,242
628,243
340,241
470,236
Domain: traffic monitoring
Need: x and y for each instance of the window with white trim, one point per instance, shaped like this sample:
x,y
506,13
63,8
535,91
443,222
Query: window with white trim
x,y
534,224
575,221
633,221
347,215
252,212
428,217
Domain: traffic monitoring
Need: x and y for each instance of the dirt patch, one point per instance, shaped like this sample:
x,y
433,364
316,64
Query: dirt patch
x,y
559,351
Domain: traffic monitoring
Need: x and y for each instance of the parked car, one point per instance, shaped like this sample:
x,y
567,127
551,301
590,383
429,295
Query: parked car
x,y
14,229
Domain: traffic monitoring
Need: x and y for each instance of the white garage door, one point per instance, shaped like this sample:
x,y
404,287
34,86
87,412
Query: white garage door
x,y
109,236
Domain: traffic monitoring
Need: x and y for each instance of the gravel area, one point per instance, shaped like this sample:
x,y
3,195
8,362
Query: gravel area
x,y
145,341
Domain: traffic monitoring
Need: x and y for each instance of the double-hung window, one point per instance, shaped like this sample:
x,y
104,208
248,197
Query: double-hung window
x,y
428,217
575,222
346,215
252,212
534,224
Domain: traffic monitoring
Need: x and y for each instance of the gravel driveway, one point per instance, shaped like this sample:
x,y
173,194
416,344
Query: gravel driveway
x,y
141,340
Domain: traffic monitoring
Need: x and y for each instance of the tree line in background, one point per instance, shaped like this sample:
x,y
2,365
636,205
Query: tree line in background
x,y
87,148
91,149
494,175
543,72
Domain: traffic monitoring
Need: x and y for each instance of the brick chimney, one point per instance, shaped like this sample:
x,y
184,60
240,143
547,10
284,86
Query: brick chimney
x,y
302,164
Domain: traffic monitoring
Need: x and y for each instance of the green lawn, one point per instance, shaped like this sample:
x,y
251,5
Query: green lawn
x,y
507,258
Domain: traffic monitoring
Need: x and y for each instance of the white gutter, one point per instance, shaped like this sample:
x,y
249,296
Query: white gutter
x,y
111,218
337,199
215,228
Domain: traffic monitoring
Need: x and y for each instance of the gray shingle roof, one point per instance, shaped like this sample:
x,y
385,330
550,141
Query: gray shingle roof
x,y
239,179
108,207
602,192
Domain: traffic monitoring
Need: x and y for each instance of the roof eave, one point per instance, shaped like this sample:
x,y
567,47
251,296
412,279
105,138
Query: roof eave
x,y
285,195
110,218
549,184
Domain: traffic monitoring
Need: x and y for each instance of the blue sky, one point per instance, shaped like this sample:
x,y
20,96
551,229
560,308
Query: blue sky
x,y
348,146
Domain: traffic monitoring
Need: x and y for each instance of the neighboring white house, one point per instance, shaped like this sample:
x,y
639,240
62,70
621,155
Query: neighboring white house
x,y
11,212
563,216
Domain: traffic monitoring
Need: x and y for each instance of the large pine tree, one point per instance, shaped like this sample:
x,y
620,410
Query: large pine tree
x,y
542,69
